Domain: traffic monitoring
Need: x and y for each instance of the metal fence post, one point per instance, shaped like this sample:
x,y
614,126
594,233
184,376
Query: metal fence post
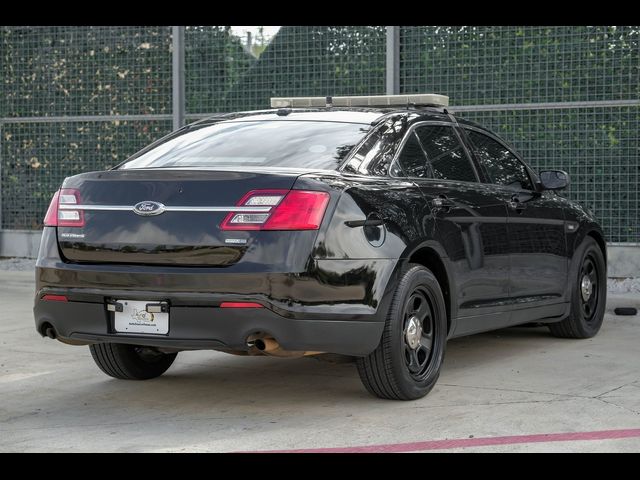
x,y
393,60
1,184
178,93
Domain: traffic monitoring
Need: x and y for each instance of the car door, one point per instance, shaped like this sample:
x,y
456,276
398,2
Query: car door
x,y
465,217
536,226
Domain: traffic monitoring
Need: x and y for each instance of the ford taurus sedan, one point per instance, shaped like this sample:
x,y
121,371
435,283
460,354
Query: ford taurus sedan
x,y
374,227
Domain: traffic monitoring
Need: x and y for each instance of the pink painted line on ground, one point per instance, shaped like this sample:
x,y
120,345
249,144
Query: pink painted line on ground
x,y
472,442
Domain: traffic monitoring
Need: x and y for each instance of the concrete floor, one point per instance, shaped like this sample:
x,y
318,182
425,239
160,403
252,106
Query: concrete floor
x,y
515,382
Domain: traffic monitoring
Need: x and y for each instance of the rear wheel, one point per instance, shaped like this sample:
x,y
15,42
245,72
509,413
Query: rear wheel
x,y
130,362
588,294
406,364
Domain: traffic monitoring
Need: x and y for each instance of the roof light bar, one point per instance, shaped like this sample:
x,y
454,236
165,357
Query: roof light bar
x,y
427,99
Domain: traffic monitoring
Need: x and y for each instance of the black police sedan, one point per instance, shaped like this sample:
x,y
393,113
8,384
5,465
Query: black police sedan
x,y
376,227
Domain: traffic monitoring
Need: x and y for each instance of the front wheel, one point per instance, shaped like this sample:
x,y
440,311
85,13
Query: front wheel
x,y
406,364
588,294
130,362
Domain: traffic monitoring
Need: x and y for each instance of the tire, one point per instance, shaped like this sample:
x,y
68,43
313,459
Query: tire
x,y
588,300
130,362
400,369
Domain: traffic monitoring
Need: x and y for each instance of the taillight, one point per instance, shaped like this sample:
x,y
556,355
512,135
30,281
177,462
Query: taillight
x,y
51,217
294,210
61,212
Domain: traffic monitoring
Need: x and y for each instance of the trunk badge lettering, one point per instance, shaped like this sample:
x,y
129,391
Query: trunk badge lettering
x,y
236,241
147,208
72,235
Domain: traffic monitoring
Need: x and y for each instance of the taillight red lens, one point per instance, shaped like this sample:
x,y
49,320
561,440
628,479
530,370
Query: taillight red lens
x,y
61,212
51,217
299,210
295,210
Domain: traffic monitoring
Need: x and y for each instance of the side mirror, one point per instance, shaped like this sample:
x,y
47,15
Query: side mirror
x,y
554,179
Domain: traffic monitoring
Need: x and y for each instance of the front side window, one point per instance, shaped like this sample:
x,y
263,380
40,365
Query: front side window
x,y
446,155
503,167
266,143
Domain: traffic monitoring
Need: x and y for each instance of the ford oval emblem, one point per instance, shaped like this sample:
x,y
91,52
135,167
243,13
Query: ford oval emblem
x,y
147,209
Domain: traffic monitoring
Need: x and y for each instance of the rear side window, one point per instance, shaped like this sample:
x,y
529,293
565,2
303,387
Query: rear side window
x,y
364,154
445,153
284,143
503,167
375,155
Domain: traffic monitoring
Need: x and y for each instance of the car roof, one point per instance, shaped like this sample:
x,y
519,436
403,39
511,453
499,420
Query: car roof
x,y
334,114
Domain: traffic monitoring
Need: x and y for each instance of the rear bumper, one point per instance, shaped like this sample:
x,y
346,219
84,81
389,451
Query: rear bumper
x,y
336,306
212,328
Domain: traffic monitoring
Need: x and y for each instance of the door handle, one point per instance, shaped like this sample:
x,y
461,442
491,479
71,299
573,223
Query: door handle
x,y
442,203
369,222
516,204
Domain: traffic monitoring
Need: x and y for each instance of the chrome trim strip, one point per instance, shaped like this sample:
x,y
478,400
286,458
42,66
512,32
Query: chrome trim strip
x,y
94,207
125,208
255,209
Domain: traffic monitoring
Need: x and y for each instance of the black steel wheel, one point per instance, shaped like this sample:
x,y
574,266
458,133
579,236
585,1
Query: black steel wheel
x,y
588,293
406,364
589,287
417,333
130,362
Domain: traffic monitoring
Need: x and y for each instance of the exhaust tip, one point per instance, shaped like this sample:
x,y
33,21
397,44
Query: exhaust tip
x,y
264,344
48,331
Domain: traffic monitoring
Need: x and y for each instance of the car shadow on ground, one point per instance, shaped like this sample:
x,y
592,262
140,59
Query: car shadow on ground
x,y
203,379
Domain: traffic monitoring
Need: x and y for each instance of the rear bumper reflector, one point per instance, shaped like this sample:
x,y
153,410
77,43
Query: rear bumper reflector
x,y
240,305
54,298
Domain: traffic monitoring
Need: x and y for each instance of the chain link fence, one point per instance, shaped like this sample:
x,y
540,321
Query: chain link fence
x,y
84,98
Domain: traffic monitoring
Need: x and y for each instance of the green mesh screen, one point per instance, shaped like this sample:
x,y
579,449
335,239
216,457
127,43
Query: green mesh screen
x,y
599,149
77,71
497,65
299,61
598,146
36,157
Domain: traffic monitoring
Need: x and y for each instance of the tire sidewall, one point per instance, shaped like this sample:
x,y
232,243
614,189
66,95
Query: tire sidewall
x,y
418,277
588,329
123,362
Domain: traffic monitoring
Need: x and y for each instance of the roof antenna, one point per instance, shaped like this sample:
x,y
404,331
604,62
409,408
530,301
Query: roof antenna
x,y
329,101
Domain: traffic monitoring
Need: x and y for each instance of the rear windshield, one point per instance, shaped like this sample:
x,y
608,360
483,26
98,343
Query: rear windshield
x,y
276,143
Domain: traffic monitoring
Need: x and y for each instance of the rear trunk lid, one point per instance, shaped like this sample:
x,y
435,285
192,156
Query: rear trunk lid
x,y
189,235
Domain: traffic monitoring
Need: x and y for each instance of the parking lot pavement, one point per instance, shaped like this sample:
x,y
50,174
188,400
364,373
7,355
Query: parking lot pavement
x,y
498,392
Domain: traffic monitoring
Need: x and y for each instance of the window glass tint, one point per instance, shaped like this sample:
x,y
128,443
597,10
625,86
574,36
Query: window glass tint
x,y
361,154
376,154
283,143
412,159
446,156
503,167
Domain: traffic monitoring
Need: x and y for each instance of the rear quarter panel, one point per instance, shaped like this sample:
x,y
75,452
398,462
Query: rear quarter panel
x,y
399,203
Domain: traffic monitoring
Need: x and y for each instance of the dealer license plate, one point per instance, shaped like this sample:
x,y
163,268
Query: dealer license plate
x,y
134,318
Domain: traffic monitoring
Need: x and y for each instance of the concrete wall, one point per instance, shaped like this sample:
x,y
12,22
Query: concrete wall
x,y
624,260
19,243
